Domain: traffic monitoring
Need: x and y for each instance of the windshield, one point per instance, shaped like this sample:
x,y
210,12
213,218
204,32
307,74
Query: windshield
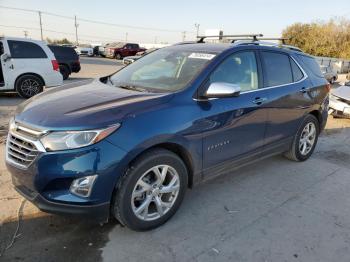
x,y
165,70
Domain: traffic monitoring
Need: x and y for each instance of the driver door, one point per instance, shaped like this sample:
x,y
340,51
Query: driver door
x,y
235,126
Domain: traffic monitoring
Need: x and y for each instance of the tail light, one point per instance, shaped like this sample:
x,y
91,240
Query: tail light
x,y
55,65
328,87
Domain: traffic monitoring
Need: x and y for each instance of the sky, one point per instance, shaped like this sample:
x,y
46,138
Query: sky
x,y
167,19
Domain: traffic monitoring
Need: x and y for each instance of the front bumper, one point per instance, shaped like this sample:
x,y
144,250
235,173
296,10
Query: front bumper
x,y
47,180
98,212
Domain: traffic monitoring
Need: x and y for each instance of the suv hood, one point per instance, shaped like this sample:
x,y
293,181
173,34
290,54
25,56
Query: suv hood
x,y
90,106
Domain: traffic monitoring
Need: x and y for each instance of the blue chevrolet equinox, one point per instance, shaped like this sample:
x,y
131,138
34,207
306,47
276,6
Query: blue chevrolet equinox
x,y
129,145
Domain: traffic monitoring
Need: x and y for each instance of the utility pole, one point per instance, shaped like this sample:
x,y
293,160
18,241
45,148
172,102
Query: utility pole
x,y
25,33
126,37
183,36
76,30
197,29
41,26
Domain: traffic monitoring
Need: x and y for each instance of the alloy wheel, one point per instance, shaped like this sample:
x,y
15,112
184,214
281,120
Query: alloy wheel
x,y
30,87
307,139
155,192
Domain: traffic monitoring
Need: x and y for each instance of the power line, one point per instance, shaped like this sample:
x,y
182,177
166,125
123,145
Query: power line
x,y
99,22
65,33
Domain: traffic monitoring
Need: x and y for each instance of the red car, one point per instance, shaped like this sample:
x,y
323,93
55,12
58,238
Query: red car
x,y
120,50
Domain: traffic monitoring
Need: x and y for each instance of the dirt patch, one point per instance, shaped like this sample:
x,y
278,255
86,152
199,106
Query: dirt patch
x,y
41,237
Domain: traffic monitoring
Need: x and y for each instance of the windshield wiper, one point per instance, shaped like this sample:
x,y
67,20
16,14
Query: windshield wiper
x,y
131,87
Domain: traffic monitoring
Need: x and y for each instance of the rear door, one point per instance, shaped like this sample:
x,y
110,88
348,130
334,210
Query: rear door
x,y
234,126
290,95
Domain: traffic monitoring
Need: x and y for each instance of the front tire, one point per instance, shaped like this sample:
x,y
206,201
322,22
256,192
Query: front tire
x,y
29,85
118,56
151,191
305,140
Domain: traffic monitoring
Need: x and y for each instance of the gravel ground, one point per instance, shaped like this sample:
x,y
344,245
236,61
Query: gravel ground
x,y
274,210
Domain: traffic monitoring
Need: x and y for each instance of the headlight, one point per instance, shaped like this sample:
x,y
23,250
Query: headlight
x,y
63,140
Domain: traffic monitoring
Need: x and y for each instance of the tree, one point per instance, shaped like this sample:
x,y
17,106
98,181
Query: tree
x,y
331,39
59,41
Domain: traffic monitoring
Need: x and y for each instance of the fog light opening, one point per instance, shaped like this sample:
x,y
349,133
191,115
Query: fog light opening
x,y
83,186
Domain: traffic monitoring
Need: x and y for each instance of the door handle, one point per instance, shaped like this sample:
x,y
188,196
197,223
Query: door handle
x,y
11,66
259,100
305,89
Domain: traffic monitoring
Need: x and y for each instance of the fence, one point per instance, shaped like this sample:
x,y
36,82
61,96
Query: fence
x,y
341,66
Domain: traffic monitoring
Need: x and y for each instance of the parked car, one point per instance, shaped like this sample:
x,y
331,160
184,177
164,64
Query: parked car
x,y
130,144
86,50
329,74
67,59
339,101
120,50
131,59
27,66
99,50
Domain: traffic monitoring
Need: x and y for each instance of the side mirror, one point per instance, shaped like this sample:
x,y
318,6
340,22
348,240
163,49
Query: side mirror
x,y
221,90
6,57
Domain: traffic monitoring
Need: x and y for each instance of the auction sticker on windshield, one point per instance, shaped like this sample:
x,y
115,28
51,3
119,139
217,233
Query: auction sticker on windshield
x,y
202,56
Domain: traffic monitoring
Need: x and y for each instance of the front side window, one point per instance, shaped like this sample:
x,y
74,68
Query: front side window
x,y
240,69
164,70
21,49
277,68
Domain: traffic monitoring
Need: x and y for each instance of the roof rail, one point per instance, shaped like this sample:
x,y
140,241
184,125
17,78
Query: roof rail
x,y
253,37
263,43
185,43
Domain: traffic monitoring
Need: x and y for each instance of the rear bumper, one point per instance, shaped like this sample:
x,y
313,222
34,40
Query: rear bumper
x,y
75,68
54,79
99,212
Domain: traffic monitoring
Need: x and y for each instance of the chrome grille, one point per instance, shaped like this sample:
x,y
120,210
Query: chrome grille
x,y
20,151
23,146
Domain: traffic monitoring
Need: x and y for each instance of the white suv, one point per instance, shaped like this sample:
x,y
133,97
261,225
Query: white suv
x,y
27,66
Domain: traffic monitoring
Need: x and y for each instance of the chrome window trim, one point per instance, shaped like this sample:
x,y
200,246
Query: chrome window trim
x,y
270,87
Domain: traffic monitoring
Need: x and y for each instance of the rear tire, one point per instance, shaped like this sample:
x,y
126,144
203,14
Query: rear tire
x,y
118,56
145,199
65,72
29,85
305,140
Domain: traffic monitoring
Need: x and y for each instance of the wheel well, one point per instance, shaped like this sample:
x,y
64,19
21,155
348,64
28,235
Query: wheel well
x,y
318,116
180,152
29,74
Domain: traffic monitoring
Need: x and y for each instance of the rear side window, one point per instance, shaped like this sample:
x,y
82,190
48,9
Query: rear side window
x,y
277,68
63,51
297,73
312,65
21,49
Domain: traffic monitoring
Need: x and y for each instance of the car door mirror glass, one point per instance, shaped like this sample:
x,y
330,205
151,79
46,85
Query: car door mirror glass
x,y
221,90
